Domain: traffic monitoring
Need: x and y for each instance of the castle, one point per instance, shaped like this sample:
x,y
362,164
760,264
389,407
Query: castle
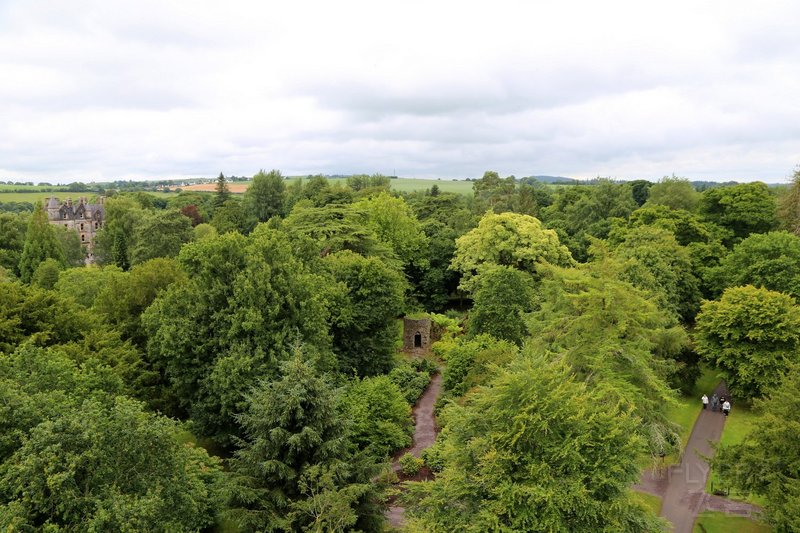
x,y
84,218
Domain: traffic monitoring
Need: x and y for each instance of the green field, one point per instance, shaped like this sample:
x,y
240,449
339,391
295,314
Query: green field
x,y
713,522
415,184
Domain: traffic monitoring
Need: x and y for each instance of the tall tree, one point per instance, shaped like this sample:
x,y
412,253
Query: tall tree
x,y
295,469
752,335
12,240
503,294
743,209
266,196
769,260
536,450
40,243
509,239
223,193
159,234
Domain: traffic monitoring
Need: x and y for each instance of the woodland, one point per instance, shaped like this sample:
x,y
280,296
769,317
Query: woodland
x,y
232,362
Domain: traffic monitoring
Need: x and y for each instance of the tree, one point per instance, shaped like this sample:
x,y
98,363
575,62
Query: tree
x,y
295,469
266,196
770,260
40,243
767,461
640,190
381,417
159,234
743,209
536,450
789,206
112,242
192,213
103,467
363,319
503,294
495,193
223,193
395,224
507,239
230,217
246,302
46,274
615,339
12,240
752,335
675,193
656,263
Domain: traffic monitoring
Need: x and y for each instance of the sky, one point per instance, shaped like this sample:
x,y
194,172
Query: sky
x,y
106,89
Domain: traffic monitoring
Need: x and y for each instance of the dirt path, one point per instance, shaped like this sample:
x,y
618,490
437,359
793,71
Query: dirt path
x,y
425,431
685,495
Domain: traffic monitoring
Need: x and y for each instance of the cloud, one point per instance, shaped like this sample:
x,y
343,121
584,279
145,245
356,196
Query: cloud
x,y
110,89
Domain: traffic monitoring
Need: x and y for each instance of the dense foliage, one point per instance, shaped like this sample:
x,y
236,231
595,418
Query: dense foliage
x,y
267,327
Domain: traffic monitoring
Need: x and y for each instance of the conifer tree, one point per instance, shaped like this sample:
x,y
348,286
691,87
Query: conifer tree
x,y
40,243
296,469
223,192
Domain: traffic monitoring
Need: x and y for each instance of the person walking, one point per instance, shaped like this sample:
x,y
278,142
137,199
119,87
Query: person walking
x,y
726,407
705,401
714,402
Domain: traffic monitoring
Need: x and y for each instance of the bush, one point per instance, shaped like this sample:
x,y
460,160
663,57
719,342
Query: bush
x,y
410,381
410,465
381,417
433,457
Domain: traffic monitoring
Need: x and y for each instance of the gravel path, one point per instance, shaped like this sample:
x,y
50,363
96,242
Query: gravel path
x,y
425,431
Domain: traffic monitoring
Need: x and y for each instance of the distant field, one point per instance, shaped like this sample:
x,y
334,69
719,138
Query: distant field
x,y
36,196
399,184
32,188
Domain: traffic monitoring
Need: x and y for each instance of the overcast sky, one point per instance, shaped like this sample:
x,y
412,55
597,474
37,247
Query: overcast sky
x,y
97,90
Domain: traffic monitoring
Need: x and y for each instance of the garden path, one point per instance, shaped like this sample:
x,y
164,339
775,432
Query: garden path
x,y
425,431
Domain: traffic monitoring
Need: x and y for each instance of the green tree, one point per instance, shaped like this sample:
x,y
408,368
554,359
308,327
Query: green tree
x,y
789,206
112,242
230,217
770,260
46,274
381,418
767,461
495,193
503,294
527,451
12,240
74,252
743,209
363,320
640,190
471,361
656,263
296,469
675,193
614,338
40,243
752,335
246,301
266,196
204,231
223,193
108,467
159,234
507,239
82,285
395,224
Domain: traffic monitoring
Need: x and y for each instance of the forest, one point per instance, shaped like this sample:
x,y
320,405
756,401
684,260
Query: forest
x,y
233,363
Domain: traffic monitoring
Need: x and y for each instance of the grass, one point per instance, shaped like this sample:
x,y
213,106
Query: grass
x,y
685,412
739,423
35,196
714,522
648,501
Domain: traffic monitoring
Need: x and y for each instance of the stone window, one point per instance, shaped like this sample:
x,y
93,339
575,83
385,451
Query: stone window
x,y
95,225
83,237
81,226
418,340
66,226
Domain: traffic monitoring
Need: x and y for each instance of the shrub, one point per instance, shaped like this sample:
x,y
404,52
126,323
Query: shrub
x,y
410,465
410,381
381,417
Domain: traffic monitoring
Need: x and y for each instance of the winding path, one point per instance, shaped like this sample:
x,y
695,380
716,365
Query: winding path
x,y
425,431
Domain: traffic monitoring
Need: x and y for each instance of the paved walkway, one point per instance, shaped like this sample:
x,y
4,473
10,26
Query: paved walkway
x,y
425,431
685,495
